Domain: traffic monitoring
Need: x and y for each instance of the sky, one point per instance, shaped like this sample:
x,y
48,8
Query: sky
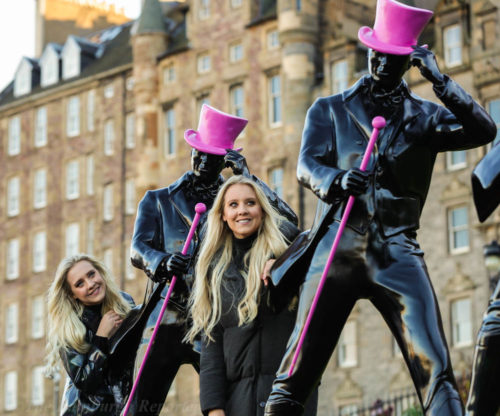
x,y
17,32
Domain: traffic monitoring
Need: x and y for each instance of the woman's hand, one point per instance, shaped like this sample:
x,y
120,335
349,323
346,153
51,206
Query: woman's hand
x,y
110,322
266,274
217,412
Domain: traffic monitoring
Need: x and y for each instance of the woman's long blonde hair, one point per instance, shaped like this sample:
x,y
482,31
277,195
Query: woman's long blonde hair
x,y
215,257
65,328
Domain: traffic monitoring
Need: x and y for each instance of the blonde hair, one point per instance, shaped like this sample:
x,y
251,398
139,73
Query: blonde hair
x,y
65,328
215,256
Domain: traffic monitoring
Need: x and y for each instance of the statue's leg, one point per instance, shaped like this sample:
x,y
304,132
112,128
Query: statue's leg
x,y
339,294
484,393
162,364
404,295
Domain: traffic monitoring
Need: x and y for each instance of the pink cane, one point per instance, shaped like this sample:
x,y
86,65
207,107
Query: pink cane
x,y
200,208
378,123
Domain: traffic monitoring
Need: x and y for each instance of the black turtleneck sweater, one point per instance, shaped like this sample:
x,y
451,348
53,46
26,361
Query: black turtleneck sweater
x,y
238,368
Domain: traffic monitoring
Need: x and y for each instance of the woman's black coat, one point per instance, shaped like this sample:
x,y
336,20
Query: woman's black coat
x,y
239,367
93,387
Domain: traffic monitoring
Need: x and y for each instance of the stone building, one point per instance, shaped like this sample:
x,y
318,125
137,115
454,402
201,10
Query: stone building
x,y
97,139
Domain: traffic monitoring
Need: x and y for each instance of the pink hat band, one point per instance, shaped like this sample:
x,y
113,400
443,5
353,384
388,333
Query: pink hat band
x,y
217,131
397,27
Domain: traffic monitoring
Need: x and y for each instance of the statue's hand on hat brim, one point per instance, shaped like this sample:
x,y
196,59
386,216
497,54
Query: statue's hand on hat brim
x,y
236,162
425,61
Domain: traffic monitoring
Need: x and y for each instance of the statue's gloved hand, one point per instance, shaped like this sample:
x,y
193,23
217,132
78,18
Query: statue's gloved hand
x,y
354,181
236,162
425,61
175,265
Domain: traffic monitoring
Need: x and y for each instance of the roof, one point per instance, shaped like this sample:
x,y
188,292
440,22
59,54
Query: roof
x,y
151,19
114,51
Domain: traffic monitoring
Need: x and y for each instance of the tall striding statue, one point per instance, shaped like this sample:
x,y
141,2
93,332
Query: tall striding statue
x,y
484,393
378,256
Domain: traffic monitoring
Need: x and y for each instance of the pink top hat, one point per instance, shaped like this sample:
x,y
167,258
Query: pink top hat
x,y
216,132
397,27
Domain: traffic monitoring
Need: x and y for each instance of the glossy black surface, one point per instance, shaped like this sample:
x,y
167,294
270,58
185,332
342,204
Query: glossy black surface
x,y
378,257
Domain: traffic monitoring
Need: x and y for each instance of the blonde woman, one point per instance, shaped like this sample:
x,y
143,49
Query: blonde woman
x,y
85,308
243,339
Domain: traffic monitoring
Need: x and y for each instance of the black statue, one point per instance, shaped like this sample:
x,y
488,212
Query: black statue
x,y
378,257
162,224
484,393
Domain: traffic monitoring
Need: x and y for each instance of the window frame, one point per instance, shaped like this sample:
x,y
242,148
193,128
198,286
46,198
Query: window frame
x,y
452,230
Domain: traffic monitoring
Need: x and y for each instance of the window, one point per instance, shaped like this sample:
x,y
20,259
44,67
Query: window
x,y
73,117
72,180
22,81
130,131
237,100
235,52
91,110
273,40
40,188
130,197
276,181
90,237
452,39
458,230
108,202
461,322
348,410
298,5
12,323
109,91
109,137
71,59
347,346
169,144
204,9
37,317
72,239
108,259
494,110
49,63
37,381
236,3
129,269
41,127
12,259
13,195
90,175
169,75
39,252
275,101
14,145
202,99
456,160
10,391
204,63
129,84
340,76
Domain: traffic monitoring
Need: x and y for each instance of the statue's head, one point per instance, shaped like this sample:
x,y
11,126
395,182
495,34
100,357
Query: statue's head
x,y
217,132
386,69
396,29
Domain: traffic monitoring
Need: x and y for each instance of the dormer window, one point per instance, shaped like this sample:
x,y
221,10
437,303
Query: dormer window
x,y
71,56
22,82
49,63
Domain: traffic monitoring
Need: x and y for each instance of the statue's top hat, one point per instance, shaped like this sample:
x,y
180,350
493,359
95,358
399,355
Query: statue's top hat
x,y
216,132
396,28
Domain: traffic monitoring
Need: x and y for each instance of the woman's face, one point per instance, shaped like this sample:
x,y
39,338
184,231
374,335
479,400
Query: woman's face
x,y
86,283
242,210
